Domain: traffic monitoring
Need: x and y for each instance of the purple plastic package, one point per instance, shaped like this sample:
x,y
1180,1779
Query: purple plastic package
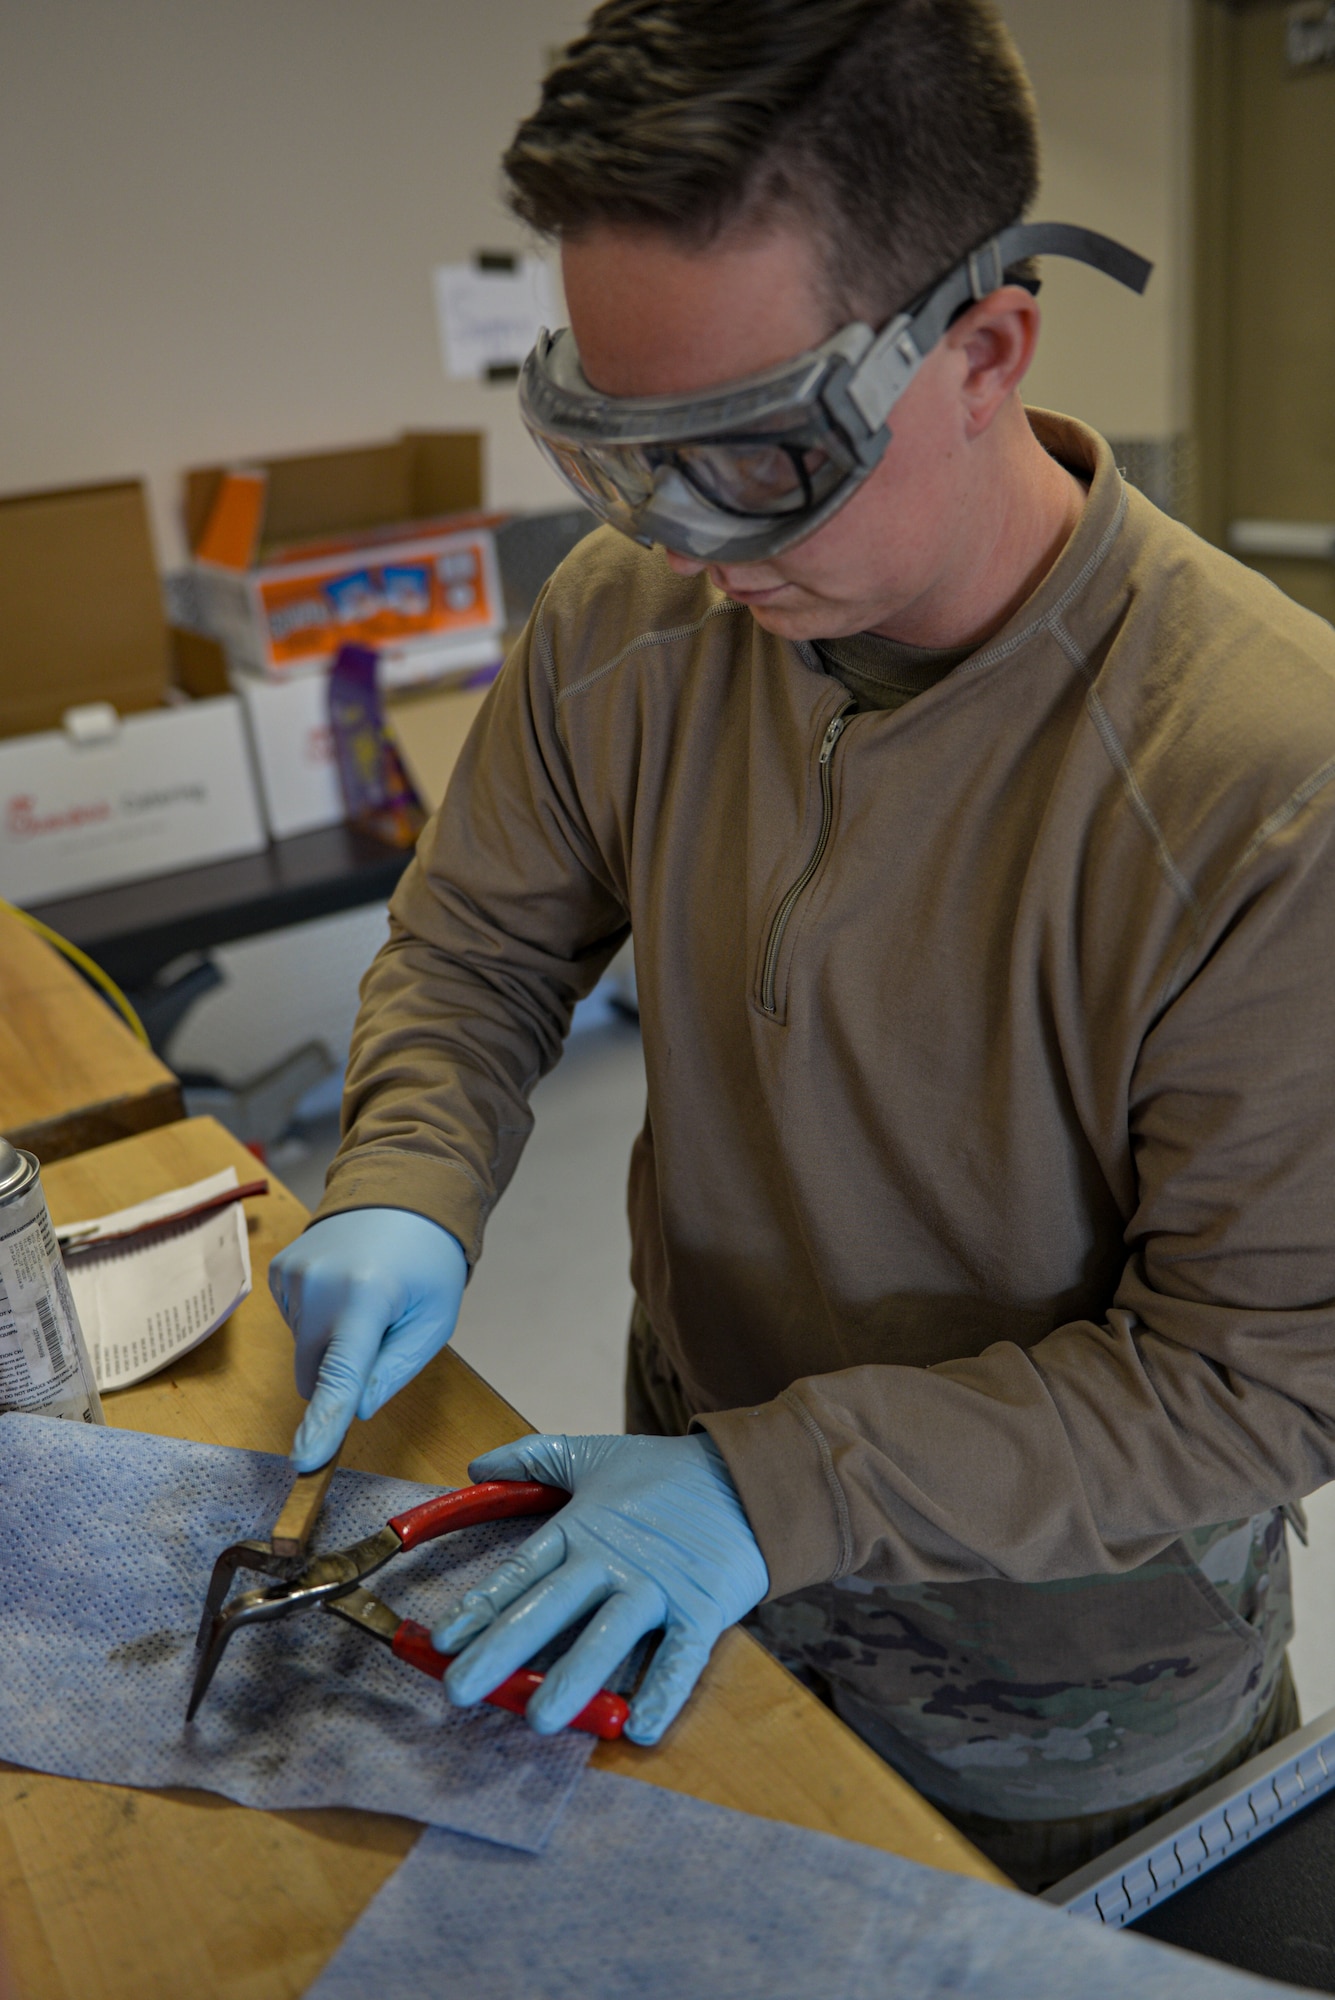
x,y
376,789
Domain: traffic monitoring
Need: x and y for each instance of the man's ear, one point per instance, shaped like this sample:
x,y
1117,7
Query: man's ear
x,y
996,339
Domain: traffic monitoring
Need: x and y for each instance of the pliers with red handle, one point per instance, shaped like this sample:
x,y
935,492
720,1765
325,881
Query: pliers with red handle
x,y
333,1583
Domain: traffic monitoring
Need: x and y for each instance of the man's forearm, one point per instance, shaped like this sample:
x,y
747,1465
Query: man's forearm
x,y
1086,1454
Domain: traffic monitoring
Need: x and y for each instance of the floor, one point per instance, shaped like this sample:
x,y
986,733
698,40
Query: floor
x,y
545,1317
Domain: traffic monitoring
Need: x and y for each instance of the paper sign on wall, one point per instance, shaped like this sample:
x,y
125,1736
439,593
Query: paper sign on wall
x,y
489,313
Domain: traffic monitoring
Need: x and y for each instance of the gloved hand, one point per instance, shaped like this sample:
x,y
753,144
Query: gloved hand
x,y
370,1295
654,1535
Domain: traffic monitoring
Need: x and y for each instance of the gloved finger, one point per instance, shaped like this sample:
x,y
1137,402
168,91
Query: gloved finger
x,y
543,1458
337,1353
318,1437
337,1387
534,1559
279,1283
404,1352
310,1303
674,1671
513,1638
596,1654
307,1292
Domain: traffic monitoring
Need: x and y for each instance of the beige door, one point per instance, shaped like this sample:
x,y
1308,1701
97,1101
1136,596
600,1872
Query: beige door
x,y
1265,334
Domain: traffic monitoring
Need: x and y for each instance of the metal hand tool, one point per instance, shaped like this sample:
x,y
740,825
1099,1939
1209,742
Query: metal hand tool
x,y
284,1550
332,1583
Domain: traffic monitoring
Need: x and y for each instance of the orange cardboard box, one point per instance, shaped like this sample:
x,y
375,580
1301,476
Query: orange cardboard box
x,y
380,545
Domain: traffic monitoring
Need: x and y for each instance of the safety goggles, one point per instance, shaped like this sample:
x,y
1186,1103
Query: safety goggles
x,y
741,472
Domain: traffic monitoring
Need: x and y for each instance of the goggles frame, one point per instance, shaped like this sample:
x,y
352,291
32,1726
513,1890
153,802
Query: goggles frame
x,y
628,457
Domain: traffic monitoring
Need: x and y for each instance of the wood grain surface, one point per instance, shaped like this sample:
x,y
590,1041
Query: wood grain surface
x,y
71,1073
109,1893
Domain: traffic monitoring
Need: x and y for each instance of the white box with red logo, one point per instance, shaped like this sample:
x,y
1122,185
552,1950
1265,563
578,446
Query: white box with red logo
x,y
294,750
143,795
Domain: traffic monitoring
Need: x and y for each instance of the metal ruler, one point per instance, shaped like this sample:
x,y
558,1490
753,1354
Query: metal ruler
x,y
1212,1826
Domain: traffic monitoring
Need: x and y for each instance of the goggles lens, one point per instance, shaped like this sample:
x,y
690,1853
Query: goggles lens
x,y
746,477
755,478
758,477
604,476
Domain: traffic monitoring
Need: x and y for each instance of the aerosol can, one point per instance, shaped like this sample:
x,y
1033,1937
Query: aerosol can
x,y
44,1364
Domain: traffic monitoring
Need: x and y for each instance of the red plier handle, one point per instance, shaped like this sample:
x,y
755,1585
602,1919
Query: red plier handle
x,y
606,1715
494,1500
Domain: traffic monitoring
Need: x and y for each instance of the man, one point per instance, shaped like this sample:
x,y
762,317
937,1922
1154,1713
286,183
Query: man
x,y
973,824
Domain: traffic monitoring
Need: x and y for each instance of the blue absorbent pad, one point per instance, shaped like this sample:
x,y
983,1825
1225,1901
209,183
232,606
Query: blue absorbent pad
x,y
107,1543
642,1892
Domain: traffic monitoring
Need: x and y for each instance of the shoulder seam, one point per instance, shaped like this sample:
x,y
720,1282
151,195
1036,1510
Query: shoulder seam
x,y
545,650
1052,621
1105,729
1276,821
663,638
1301,795
1115,751
1051,618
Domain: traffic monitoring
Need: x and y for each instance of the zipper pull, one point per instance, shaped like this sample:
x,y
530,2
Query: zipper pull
x,y
832,735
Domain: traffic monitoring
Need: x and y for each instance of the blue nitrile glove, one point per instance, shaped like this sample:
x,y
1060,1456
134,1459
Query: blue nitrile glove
x,y
370,1295
654,1536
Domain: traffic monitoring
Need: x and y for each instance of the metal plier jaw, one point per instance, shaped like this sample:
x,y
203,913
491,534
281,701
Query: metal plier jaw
x,y
315,1583
331,1582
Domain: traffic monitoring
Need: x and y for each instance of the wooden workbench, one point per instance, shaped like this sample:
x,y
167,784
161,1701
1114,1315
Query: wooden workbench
x,y
71,1073
106,1891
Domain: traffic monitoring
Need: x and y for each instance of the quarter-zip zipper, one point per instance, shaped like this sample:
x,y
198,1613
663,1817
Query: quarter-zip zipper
x,y
786,907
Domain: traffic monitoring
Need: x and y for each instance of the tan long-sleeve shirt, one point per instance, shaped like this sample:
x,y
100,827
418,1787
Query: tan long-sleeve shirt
x,y
985,1204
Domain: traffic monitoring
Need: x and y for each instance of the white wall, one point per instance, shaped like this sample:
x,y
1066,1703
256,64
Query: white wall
x,y
218,223
218,226
1114,96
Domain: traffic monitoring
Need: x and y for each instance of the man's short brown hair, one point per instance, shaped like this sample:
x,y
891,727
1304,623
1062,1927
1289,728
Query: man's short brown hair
x,y
902,132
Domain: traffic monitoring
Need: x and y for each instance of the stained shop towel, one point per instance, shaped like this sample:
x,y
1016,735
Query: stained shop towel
x,y
640,1891
107,1539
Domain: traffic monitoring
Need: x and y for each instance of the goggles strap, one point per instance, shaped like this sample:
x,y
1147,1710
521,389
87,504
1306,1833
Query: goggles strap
x,y
987,273
899,350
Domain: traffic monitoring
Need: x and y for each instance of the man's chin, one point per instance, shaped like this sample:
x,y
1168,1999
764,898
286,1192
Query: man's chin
x,y
788,613
801,621
793,611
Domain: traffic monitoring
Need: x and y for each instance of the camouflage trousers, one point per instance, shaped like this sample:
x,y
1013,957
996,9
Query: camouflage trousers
x,y
1047,1720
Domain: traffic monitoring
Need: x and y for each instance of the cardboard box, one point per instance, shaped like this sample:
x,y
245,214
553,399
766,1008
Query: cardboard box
x,y
321,495
380,545
80,605
138,780
144,796
294,751
429,731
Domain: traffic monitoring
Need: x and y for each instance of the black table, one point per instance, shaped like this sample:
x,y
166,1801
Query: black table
x,y
137,929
